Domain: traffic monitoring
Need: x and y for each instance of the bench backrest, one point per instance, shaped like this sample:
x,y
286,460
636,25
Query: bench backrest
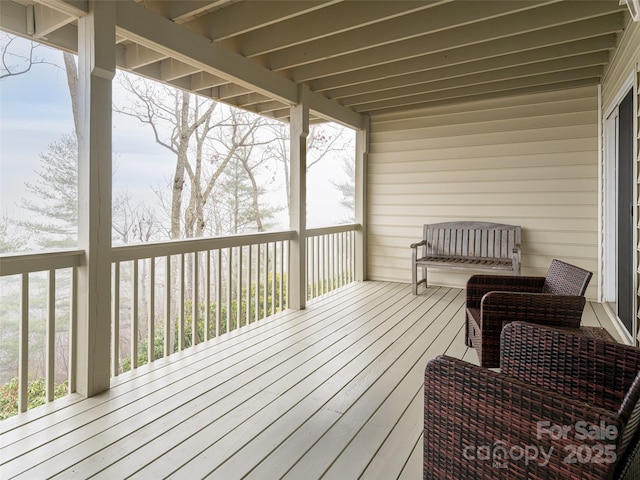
x,y
471,239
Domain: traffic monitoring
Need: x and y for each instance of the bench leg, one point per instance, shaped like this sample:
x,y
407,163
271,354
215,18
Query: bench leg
x,y
414,278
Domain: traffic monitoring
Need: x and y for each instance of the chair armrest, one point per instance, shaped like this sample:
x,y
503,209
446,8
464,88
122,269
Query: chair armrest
x,y
499,308
479,285
477,421
418,244
598,371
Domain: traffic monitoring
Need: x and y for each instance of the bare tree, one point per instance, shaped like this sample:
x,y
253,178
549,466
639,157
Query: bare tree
x,y
247,154
205,137
322,142
72,81
180,123
133,221
16,63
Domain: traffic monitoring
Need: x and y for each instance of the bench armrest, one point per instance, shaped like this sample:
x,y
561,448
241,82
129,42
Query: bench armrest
x,y
474,418
418,244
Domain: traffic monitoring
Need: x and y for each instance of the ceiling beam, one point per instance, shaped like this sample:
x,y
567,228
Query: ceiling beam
x,y
249,100
572,84
47,20
505,72
73,8
230,90
270,106
549,79
282,114
494,29
171,69
137,56
185,9
15,20
415,26
596,34
152,70
325,22
458,59
243,17
182,83
158,33
578,49
162,35
204,80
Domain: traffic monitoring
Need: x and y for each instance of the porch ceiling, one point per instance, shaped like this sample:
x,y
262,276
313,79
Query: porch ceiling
x,y
369,56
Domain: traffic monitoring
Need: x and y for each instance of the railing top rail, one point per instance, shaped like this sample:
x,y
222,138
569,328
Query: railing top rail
x,y
176,247
15,264
349,227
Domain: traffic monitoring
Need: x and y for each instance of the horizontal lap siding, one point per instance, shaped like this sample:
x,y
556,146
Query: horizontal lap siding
x,y
529,160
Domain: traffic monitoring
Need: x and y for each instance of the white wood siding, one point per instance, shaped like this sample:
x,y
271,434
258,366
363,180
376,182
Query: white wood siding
x,y
526,160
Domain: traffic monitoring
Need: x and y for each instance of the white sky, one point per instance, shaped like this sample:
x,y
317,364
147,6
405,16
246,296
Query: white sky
x,y
35,110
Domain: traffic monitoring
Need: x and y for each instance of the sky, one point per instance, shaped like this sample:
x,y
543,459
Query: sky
x,y
35,110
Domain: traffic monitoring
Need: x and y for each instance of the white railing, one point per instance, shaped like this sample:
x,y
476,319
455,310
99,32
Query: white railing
x,y
176,294
330,258
165,297
46,330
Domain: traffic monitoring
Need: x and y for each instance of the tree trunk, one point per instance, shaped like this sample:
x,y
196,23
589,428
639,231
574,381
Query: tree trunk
x,y
72,82
255,197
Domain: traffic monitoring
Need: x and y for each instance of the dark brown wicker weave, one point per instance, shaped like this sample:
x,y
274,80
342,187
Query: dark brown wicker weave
x,y
477,422
493,301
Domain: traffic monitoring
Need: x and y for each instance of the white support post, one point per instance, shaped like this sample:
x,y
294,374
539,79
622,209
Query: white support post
x,y
96,67
297,294
362,153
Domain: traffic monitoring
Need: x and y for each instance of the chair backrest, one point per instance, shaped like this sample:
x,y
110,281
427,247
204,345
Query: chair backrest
x,y
630,415
566,279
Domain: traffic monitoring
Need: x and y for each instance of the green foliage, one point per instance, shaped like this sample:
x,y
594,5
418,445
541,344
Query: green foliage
x,y
272,296
36,393
324,286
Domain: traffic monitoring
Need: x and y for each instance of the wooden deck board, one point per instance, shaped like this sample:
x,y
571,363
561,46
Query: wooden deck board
x,y
333,391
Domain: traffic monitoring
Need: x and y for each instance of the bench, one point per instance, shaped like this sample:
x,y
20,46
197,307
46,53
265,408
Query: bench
x,y
473,246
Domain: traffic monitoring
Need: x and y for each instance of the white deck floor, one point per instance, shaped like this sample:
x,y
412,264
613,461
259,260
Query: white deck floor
x,y
334,391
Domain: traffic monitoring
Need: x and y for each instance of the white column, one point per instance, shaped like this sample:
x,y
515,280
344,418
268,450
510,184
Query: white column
x,y
362,153
96,68
299,130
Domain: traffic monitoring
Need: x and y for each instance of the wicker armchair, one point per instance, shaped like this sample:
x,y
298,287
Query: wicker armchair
x,y
564,407
493,301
